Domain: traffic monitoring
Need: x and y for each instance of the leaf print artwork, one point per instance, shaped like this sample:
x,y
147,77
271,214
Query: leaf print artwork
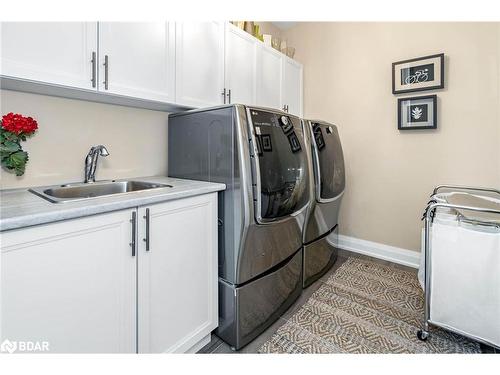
x,y
416,113
419,112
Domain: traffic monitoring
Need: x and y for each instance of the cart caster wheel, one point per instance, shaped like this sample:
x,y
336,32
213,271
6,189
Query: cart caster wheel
x,y
422,335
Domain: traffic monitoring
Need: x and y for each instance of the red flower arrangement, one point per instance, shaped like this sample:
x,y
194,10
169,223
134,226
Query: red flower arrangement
x,y
15,128
16,123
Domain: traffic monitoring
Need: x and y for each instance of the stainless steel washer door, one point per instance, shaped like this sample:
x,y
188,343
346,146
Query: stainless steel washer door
x,y
280,174
329,179
328,160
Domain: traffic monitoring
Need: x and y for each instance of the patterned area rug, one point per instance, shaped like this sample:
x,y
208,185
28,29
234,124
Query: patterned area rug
x,y
364,307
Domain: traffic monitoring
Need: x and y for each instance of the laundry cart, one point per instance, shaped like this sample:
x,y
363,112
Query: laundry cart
x,y
461,266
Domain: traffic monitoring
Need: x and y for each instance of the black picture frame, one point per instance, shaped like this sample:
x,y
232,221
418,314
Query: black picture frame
x,y
412,64
431,119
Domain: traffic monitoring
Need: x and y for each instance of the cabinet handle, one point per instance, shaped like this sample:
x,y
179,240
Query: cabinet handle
x,y
229,96
94,66
285,108
147,229
224,95
106,68
134,225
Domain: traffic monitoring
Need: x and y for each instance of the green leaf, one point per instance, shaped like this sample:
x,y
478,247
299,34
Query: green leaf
x,y
16,162
12,156
20,170
6,163
4,154
20,157
9,146
11,137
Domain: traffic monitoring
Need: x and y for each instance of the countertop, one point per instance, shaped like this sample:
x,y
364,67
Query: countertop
x,y
20,208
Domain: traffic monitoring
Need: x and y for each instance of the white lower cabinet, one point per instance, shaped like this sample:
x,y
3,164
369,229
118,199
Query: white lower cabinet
x,y
71,284
89,286
177,274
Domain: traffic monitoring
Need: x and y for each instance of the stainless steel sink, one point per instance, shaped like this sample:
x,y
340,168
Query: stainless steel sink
x,y
74,192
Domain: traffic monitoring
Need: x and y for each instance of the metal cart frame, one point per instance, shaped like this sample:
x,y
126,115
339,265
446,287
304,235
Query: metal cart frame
x,y
423,333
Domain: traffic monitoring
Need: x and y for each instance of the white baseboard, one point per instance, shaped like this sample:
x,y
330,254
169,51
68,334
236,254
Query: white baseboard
x,y
200,344
377,250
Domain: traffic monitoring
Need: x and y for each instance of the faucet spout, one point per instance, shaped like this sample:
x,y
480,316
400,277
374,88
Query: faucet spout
x,y
91,161
103,151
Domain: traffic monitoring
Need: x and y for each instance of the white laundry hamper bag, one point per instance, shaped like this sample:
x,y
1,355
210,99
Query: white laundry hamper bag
x,y
465,277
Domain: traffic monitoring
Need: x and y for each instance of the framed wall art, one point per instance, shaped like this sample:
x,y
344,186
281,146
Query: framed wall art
x,y
419,112
423,73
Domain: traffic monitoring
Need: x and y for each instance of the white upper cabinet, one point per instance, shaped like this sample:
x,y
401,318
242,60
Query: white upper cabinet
x,y
240,66
199,63
176,64
50,52
137,59
291,94
269,67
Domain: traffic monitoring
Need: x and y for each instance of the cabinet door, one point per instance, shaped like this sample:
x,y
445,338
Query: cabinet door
x,y
51,52
177,286
292,86
71,284
140,59
240,66
269,77
199,63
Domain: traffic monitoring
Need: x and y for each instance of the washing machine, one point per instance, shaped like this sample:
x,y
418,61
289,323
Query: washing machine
x,y
328,184
261,155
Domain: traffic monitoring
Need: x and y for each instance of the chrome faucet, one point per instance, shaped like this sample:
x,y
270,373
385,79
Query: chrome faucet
x,y
91,161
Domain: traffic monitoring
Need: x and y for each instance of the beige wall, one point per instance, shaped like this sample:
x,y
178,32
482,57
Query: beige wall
x,y
347,80
269,28
135,138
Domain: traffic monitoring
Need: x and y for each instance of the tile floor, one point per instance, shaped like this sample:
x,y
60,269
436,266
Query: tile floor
x,y
216,345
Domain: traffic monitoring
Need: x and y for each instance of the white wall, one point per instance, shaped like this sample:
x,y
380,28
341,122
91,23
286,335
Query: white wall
x,y
135,138
347,80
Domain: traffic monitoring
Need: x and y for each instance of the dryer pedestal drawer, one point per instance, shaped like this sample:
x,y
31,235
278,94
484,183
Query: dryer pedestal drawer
x,y
319,256
247,311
